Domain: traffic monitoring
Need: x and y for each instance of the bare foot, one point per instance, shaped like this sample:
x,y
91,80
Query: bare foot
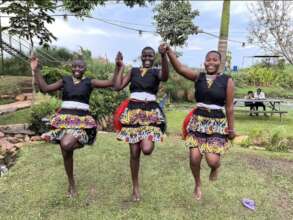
x,y
135,195
214,174
197,193
72,193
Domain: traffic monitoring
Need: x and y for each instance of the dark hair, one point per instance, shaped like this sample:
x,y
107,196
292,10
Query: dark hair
x,y
148,48
79,59
250,92
215,51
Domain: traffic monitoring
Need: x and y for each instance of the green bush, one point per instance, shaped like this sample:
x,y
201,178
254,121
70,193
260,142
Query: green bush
x,y
271,140
277,142
53,74
44,107
246,143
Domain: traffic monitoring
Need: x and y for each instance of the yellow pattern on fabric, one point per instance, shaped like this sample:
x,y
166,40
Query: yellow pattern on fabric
x,y
58,134
72,121
208,125
141,117
134,135
192,142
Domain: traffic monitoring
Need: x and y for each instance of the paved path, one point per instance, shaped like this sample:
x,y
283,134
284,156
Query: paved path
x,y
12,107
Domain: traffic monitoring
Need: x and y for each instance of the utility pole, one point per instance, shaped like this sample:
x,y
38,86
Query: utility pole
x,y
224,32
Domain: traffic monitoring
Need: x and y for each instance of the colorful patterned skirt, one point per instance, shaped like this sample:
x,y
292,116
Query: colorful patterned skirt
x,y
77,123
207,130
136,120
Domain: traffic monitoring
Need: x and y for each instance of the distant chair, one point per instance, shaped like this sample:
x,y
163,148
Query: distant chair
x,y
163,102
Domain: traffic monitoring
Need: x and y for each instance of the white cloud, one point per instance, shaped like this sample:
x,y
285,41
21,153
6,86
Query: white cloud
x,y
63,29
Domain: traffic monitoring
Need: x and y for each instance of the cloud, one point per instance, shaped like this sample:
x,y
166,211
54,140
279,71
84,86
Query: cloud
x,y
63,29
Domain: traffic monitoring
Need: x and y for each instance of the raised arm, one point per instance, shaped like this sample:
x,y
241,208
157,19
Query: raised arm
x,y
164,73
183,70
44,87
120,81
119,69
230,108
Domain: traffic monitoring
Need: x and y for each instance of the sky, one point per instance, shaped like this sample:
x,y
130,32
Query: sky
x,y
106,40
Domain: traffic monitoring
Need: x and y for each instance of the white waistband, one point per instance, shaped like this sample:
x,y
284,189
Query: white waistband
x,y
143,96
75,105
200,104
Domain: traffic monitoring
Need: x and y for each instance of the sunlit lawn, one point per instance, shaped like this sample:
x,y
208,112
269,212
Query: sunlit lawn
x,y
35,187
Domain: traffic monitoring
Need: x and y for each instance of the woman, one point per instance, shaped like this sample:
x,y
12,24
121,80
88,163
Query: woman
x,y
72,126
139,120
206,129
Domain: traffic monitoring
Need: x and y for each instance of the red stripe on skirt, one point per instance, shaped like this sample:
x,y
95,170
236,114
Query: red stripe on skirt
x,y
118,112
186,122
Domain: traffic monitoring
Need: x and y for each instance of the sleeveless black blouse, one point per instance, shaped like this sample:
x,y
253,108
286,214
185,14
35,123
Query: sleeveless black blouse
x,y
216,94
80,92
148,83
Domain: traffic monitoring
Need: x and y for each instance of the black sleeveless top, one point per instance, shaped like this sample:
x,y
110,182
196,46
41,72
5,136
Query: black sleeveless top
x,y
80,92
148,83
216,94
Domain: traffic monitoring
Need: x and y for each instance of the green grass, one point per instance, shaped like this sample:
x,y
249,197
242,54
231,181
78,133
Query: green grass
x,y
18,117
13,84
35,187
6,101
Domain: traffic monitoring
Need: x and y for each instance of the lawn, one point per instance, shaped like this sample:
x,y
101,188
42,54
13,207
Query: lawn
x,y
35,187
18,117
14,84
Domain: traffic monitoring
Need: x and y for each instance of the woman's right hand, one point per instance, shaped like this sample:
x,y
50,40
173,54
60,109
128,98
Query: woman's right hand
x,y
119,60
34,63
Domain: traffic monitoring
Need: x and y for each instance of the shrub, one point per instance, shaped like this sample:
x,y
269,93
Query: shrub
x,y
45,106
277,142
246,143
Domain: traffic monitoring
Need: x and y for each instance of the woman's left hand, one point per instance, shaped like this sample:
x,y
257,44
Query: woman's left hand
x,y
119,60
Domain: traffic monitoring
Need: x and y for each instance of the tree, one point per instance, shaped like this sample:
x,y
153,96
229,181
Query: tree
x,y
271,27
29,18
174,21
224,32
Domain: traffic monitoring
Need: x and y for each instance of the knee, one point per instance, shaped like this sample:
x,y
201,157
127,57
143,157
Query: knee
x,y
66,145
147,152
214,164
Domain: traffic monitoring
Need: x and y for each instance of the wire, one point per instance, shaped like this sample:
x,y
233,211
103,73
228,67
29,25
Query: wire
x,y
140,31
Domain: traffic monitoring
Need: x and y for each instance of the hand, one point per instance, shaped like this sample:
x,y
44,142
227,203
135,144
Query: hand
x,y
163,48
119,60
34,63
231,134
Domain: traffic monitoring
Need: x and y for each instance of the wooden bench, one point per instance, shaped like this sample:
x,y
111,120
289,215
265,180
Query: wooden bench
x,y
262,112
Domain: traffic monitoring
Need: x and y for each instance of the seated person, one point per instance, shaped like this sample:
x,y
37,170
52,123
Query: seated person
x,y
250,104
260,95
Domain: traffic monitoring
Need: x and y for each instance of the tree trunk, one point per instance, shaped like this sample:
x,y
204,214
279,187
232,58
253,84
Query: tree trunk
x,y
224,32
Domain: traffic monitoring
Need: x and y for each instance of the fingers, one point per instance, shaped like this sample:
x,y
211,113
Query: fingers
x,y
119,56
163,48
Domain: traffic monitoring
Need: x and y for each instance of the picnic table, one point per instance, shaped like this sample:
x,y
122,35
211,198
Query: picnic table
x,y
273,104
